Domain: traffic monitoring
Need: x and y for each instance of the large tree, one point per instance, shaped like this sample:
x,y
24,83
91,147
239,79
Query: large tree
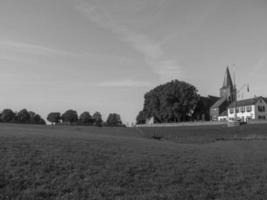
x,y
70,116
114,119
174,101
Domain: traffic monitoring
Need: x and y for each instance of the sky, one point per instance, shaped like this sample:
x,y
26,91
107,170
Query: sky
x,y
104,55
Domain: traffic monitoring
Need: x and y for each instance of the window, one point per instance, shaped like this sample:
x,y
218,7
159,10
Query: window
x,y
232,110
243,109
249,108
237,110
262,117
261,108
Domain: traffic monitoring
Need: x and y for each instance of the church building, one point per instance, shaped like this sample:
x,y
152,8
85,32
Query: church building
x,y
227,96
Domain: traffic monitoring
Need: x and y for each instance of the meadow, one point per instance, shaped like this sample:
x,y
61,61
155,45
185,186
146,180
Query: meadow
x,y
42,162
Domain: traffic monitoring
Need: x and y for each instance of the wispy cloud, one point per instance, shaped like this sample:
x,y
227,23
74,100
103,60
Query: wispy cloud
x,y
124,83
166,68
32,48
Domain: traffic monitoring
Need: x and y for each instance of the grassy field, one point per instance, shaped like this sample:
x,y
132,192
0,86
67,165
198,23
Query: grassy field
x,y
39,162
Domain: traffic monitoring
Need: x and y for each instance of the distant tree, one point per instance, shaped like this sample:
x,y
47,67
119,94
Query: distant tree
x,y
23,116
174,101
36,118
86,119
70,116
32,115
7,116
54,117
141,118
114,119
97,118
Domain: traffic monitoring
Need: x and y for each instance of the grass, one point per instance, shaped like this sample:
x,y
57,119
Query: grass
x,y
38,162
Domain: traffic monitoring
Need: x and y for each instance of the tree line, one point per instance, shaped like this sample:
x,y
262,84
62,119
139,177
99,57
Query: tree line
x,y
70,117
23,117
175,101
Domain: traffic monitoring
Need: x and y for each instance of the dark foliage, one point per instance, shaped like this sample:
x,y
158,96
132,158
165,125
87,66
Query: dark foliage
x,y
141,118
23,116
97,118
86,119
174,101
114,119
70,116
8,116
54,117
35,118
202,110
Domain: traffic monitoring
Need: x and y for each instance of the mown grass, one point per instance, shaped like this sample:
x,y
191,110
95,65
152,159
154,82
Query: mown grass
x,y
103,163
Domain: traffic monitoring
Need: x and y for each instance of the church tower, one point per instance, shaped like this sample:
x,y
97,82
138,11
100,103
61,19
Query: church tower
x,y
228,90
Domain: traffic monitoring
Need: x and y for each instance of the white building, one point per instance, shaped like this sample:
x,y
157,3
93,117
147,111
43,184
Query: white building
x,y
244,110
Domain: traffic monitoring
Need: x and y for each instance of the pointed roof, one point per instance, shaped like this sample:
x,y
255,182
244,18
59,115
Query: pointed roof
x,y
227,79
218,103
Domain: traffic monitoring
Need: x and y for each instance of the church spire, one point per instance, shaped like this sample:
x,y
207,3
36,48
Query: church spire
x,y
228,90
227,83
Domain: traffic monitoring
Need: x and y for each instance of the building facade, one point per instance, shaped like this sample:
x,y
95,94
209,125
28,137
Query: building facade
x,y
248,109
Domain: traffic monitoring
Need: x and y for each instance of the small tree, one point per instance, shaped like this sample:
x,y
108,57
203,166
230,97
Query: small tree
x,y
97,117
8,116
54,117
114,119
85,118
70,116
23,116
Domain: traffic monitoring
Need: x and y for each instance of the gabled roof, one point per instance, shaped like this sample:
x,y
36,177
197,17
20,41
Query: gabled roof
x,y
218,103
224,113
227,80
246,102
